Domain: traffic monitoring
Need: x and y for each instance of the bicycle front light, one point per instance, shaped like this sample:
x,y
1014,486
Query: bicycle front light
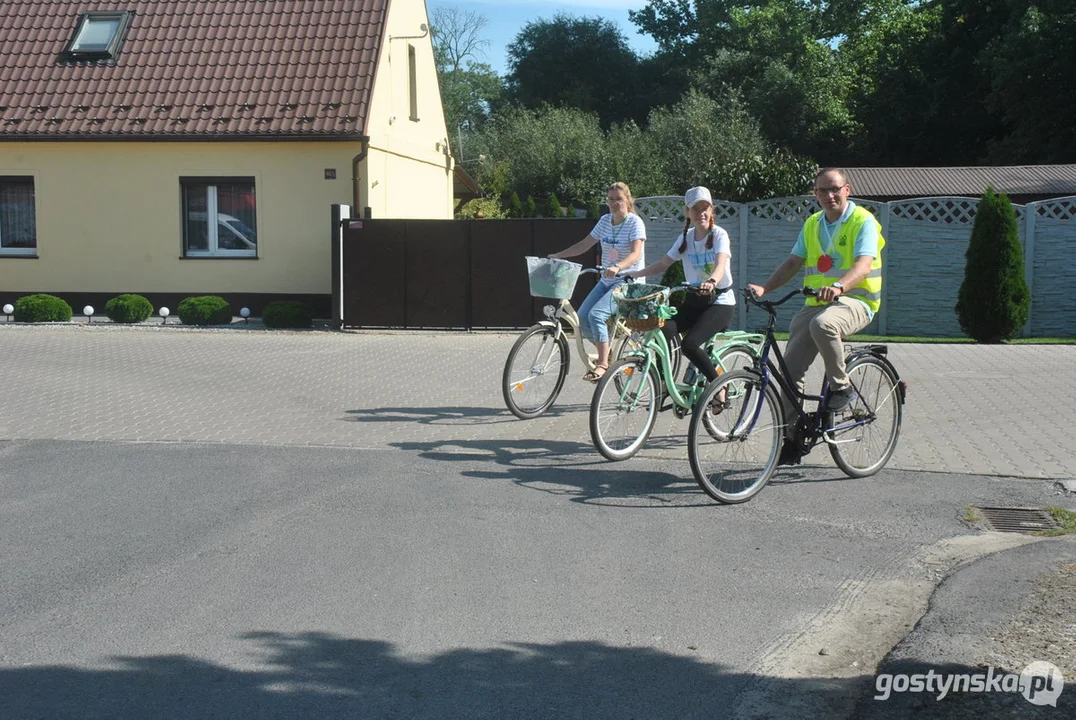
x,y
549,311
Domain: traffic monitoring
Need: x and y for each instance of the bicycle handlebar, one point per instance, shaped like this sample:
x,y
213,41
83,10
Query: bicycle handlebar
x,y
770,306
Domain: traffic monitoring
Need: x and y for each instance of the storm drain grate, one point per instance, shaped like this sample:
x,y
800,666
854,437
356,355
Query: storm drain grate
x,y
1017,520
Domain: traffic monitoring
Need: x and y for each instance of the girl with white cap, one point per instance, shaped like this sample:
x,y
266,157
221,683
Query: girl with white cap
x,y
705,251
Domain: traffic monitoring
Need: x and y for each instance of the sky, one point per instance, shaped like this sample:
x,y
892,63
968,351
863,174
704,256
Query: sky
x,y
507,18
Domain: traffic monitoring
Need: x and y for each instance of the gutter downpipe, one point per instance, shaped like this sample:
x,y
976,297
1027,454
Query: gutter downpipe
x,y
357,208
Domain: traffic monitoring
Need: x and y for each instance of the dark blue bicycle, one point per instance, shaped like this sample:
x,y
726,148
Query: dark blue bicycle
x,y
735,452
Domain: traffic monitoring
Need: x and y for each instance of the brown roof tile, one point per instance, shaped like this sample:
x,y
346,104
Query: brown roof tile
x,y
196,68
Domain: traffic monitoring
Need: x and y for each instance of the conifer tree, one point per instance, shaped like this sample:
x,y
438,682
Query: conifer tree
x,y
993,301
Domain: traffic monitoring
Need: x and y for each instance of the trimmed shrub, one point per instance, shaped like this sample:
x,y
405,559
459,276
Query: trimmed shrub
x,y
515,206
554,206
673,277
41,308
129,308
205,310
288,314
530,208
994,301
593,211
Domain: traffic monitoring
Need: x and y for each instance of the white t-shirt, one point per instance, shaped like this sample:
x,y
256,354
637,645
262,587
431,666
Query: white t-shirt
x,y
700,262
616,242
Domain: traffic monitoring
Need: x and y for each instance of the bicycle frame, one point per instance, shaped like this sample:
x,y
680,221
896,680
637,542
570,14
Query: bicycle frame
x,y
565,311
683,395
814,424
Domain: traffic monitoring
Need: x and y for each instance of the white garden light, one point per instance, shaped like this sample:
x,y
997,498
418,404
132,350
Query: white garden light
x,y
163,312
88,312
245,314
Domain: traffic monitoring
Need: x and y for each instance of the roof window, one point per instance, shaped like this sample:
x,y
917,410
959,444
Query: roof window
x,y
98,36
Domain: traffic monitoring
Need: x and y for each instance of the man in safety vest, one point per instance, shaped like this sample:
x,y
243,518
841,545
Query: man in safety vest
x,y
841,248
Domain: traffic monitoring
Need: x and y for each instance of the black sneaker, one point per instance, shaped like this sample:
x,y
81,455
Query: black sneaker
x,y
840,399
790,454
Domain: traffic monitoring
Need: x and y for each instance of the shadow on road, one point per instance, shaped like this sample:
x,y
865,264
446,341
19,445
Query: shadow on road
x,y
451,415
314,675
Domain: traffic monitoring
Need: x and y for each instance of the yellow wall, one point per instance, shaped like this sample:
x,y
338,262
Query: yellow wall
x,y
109,217
409,167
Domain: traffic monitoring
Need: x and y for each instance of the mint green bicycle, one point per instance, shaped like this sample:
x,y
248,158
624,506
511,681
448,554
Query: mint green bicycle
x,y
629,396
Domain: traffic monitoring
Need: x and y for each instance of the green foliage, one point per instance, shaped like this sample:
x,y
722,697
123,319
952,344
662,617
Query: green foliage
x,y
530,209
288,314
41,308
673,277
551,150
699,136
481,208
993,301
205,310
129,308
566,62
757,177
593,211
515,207
553,207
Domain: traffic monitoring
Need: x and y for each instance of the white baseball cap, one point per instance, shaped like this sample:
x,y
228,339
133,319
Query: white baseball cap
x,y
697,194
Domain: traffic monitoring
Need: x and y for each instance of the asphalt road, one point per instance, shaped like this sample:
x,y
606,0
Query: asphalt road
x,y
228,524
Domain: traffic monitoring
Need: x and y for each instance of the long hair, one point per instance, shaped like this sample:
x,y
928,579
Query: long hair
x,y
709,236
623,187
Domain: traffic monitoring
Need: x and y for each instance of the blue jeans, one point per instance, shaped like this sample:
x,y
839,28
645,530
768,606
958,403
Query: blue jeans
x,y
596,310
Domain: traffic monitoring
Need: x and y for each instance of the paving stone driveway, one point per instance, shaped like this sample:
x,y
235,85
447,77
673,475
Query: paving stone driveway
x,y
989,410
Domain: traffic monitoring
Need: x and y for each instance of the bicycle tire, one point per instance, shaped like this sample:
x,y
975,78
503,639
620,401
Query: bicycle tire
x,y
534,371
735,463
624,408
865,448
730,359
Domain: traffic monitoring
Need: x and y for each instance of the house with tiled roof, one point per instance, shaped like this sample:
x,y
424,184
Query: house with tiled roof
x,y
197,147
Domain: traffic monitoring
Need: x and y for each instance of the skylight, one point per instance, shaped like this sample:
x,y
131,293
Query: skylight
x,y
99,35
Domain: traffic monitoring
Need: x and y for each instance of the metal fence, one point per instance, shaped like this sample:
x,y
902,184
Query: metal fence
x,y
471,273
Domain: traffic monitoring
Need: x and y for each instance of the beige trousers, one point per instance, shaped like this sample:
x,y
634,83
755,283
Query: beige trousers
x,y
820,330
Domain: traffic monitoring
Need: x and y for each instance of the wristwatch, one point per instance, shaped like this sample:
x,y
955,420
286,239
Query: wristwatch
x,y
840,286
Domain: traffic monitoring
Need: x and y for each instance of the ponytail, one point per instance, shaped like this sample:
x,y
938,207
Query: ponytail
x,y
709,237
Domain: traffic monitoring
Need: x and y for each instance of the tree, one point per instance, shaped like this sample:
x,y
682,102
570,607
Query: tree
x,y
515,207
551,150
1032,83
699,136
993,301
553,207
470,89
570,62
530,209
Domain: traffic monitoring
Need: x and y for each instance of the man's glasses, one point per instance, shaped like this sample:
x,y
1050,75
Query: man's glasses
x,y
836,190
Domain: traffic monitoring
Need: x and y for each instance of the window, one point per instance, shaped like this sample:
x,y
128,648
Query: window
x,y
412,81
98,36
219,218
18,217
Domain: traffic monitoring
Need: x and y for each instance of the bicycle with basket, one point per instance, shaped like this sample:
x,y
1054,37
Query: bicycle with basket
x,y
629,396
539,360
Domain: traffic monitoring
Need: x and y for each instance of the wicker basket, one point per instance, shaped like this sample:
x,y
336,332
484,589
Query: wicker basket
x,y
642,306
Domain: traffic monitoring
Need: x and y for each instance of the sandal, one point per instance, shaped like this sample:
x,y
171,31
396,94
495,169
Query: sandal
x,y
718,404
596,374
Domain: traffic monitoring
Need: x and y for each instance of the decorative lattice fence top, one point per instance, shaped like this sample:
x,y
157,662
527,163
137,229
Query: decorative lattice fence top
x,y
1056,209
670,209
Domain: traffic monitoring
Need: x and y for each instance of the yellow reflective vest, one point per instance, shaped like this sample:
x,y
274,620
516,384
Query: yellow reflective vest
x,y
869,290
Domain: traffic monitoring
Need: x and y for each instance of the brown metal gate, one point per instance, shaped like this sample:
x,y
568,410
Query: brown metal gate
x,y
451,274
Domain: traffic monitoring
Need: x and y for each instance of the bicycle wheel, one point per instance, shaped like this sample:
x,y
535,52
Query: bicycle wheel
x,y
865,433
730,359
624,408
534,372
734,462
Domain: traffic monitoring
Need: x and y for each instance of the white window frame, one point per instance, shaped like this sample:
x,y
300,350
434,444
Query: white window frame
x,y
212,218
20,251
